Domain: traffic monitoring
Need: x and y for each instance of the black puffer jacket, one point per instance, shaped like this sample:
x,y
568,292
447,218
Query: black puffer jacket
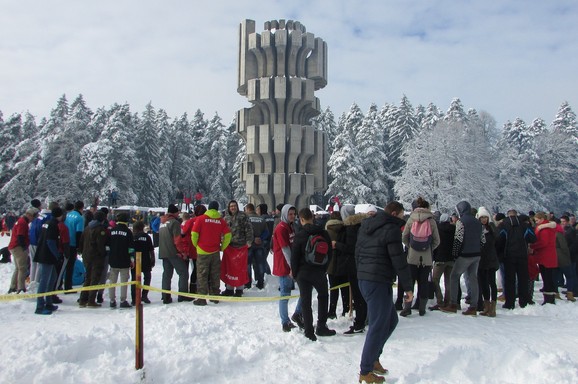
x,y
299,265
443,253
489,259
379,252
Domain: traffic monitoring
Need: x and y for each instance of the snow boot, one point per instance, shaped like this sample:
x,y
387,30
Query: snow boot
x,y
371,378
471,311
492,312
570,296
452,308
486,311
406,311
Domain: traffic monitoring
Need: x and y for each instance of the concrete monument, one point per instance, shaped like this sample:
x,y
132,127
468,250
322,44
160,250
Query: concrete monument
x,y
279,70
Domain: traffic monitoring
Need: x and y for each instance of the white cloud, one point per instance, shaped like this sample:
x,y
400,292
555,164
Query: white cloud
x,y
513,58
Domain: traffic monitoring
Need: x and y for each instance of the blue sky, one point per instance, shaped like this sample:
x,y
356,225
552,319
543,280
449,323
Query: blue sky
x,y
509,58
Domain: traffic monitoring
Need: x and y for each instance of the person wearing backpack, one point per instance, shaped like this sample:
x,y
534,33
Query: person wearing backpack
x,y
310,254
421,237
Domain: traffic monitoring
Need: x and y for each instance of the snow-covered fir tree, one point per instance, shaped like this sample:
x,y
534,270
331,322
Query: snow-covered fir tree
x,y
217,161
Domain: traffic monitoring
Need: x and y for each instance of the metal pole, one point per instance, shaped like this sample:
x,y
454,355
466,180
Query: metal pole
x,y
139,360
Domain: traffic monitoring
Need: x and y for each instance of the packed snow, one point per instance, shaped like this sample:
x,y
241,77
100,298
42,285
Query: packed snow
x,y
242,342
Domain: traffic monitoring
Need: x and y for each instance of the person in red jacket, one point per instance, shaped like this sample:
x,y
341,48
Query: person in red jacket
x,y
210,236
18,247
544,250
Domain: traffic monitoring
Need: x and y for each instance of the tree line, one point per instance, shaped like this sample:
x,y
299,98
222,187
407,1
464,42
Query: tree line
x,y
396,152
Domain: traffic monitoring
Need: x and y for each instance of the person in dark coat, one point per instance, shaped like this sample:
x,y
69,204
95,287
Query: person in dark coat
x,y
379,257
514,235
143,244
443,261
488,266
309,276
93,243
337,268
47,255
467,251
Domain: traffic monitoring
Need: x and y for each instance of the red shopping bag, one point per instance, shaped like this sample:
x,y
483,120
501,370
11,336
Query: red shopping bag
x,y
234,266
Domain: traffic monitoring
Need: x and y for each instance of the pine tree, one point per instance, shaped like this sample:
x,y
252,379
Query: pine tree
x,y
345,165
216,161
147,182
565,120
186,166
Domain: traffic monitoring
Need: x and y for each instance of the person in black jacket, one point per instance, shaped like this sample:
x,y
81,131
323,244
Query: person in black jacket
x,y
514,235
47,255
443,261
144,244
311,276
121,259
488,266
379,258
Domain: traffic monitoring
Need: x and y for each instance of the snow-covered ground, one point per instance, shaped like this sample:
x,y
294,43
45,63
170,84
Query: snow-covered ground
x,y
242,342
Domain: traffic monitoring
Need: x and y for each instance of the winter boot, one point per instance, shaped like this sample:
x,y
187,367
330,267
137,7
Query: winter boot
x,y
471,311
570,296
238,293
549,298
371,378
322,330
422,305
228,292
492,309
406,311
452,308
486,311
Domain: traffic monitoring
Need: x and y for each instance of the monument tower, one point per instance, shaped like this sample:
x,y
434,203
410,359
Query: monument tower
x,y
279,71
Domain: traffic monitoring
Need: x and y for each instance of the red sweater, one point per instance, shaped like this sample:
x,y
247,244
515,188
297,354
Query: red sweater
x,y
19,229
210,233
545,246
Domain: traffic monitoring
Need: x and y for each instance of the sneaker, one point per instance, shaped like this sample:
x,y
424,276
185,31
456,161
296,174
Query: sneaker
x,y
43,312
435,307
248,285
82,304
353,331
93,305
214,301
56,299
260,285
145,300
378,369
167,300
113,304
239,293
371,378
288,327
322,330
332,315
11,290
99,298
298,319
184,298
51,307
227,292
125,304
200,302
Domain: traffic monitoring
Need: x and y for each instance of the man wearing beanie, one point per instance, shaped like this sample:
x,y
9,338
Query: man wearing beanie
x,y
169,234
18,247
47,255
210,236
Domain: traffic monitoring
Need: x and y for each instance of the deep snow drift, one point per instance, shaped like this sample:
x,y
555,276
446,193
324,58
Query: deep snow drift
x,y
242,342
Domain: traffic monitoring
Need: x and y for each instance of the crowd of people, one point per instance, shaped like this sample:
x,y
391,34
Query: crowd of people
x,y
368,248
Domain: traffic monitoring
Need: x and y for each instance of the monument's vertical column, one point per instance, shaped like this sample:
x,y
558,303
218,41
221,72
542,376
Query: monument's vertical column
x,y
279,70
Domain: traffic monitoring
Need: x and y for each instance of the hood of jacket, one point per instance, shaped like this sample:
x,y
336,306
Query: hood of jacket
x,y
334,224
285,213
380,219
464,208
421,214
355,219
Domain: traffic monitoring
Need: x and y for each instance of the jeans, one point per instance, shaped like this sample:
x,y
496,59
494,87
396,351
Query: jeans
x,y
47,279
382,321
285,284
257,259
445,269
170,265
468,265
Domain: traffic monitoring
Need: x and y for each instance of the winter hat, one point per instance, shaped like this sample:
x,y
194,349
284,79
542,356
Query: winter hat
x,y
36,203
200,210
122,217
347,210
444,218
104,210
500,216
214,205
99,216
365,208
172,208
482,211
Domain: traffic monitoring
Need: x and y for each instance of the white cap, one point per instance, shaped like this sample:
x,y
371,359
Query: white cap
x,y
365,208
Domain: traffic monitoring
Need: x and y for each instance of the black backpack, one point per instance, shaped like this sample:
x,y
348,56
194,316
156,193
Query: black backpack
x,y
317,250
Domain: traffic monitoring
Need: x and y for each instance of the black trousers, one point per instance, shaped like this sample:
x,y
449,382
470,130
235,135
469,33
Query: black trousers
x,y
487,283
334,281
72,257
359,303
306,282
516,268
